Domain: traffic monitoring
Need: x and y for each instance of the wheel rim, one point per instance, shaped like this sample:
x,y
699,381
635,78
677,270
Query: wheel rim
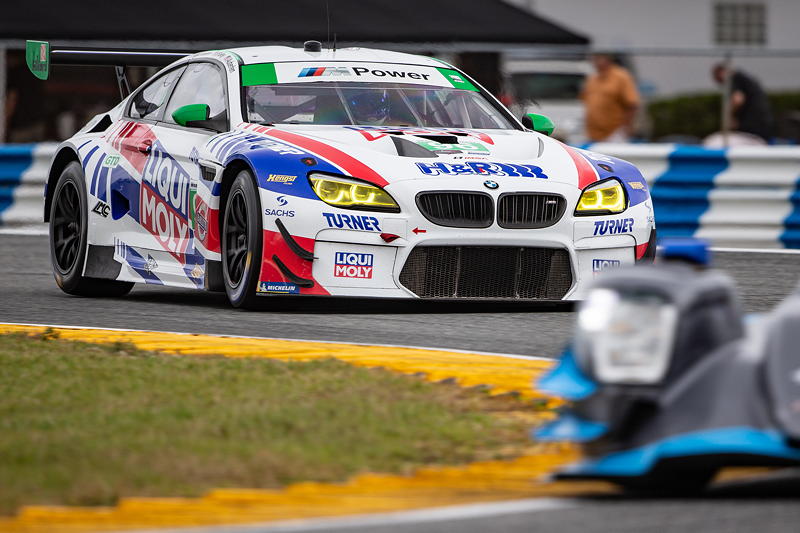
x,y
67,227
236,238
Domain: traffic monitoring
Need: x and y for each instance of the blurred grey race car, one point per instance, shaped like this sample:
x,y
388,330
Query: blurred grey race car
x,y
666,384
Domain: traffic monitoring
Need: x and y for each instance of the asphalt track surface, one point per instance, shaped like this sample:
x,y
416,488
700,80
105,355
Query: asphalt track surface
x,y
28,294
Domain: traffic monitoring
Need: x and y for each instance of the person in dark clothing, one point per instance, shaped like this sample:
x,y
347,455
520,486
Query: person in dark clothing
x,y
749,104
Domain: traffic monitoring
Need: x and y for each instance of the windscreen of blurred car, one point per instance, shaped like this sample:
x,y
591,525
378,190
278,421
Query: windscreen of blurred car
x,y
546,86
371,104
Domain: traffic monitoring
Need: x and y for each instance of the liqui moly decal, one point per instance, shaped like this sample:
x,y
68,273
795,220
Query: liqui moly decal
x,y
353,265
164,201
481,169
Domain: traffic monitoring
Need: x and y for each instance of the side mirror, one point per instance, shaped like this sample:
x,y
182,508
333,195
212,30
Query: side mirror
x,y
538,123
198,116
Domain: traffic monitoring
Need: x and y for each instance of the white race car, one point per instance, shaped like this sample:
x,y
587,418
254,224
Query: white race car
x,y
281,171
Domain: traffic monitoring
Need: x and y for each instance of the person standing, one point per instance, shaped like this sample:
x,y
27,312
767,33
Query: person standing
x,y
750,110
611,100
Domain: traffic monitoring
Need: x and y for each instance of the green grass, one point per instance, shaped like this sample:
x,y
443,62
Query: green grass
x,y
84,424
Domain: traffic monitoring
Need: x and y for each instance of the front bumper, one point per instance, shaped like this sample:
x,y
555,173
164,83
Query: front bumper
x,y
404,255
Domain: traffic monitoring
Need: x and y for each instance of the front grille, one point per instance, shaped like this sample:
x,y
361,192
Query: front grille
x,y
457,209
530,210
487,272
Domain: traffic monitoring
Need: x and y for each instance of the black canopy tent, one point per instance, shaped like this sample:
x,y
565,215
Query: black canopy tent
x,y
476,30
249,21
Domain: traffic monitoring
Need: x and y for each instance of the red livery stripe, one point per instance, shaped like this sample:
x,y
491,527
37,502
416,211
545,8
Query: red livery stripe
x,y
346,162
275,245
641,249
586,173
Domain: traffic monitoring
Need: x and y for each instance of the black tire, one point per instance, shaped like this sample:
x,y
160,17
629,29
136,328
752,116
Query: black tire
x,y
242,237
68,227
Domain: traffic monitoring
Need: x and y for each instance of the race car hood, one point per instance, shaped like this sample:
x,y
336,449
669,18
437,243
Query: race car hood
x,y
402,153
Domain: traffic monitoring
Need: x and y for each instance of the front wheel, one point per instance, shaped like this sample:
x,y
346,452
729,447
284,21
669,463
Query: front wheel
x,y
241,242
68,240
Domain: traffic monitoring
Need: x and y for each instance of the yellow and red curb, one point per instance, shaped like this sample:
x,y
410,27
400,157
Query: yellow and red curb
x,y
367,493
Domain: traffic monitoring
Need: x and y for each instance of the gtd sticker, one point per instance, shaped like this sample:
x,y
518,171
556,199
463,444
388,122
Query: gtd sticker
x,y
613,227
353,265
361,222
481,169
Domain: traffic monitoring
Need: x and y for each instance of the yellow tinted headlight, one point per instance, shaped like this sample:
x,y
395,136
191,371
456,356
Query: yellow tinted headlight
x,y
602,199
341,192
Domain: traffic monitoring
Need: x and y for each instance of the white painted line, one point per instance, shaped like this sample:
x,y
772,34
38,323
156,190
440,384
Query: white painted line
x,y
428,348
756,250
37,231
422,516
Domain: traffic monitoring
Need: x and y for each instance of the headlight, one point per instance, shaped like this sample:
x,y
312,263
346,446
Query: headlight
x,y
630,336
604,198
341,192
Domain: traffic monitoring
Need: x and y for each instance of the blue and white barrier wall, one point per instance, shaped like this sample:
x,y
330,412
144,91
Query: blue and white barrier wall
x,y
744,197
740,197
23,174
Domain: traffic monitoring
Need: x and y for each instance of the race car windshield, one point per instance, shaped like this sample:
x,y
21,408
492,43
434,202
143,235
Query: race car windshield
x,y
371,104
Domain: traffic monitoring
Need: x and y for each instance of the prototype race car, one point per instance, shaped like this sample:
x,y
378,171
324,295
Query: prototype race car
x,y
666,384
354,172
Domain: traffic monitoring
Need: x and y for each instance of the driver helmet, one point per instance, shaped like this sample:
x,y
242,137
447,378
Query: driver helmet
x,y
369,107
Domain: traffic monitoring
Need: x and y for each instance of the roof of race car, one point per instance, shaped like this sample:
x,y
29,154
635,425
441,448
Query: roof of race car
x,y
277,54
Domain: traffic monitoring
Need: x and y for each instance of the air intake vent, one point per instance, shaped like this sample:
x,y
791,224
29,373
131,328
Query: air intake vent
x,y
530,210
492,272
457,209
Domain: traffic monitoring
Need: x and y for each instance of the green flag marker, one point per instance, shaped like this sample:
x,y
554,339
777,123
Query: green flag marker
x,y
37,55
259,74
457,79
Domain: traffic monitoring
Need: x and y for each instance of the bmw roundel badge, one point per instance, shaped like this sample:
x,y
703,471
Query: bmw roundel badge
x,y
489,184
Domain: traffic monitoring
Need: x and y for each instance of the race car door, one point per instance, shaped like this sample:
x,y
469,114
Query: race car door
x,y
116,176
172,174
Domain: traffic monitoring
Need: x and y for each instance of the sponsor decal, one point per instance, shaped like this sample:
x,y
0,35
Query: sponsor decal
x,y
353,265
359,222
197,272
201,219
277,287
597,157
164,201
324,71
636,185
150,264
102,209
282,178
373,133
359,71
474,168
598,265
279,212
111,161
282,201
456,78
613,227
467,146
